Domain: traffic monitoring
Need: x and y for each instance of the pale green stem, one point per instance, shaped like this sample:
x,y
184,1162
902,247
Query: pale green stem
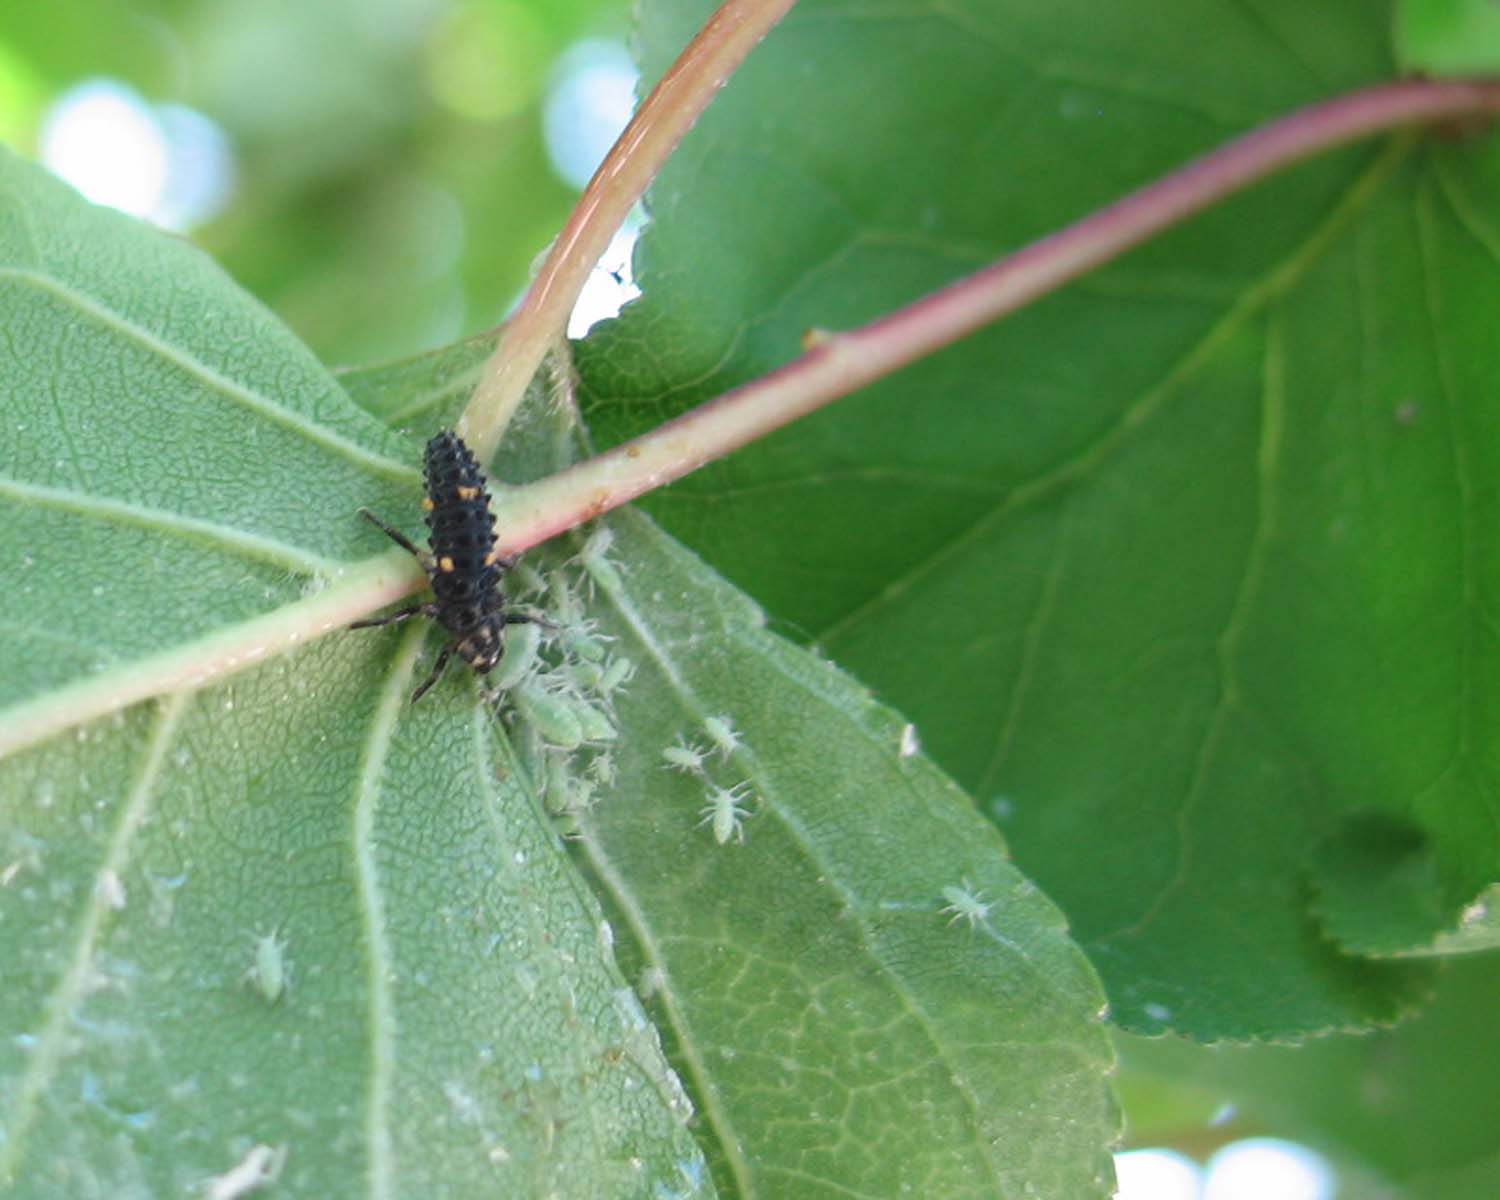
x,y
196,663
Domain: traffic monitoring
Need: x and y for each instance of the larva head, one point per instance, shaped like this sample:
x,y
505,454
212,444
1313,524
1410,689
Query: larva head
x,y
482,646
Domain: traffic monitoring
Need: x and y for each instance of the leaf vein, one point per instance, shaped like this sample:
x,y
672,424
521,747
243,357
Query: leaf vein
x,y
1227,644
1460,442
1136,415
1031,652
73,986
380,1172
213,379
917,1013
124,512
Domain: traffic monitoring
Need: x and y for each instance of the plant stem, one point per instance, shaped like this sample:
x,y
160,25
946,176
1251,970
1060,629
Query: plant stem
x,y
653,133
839,363
207,659
835,365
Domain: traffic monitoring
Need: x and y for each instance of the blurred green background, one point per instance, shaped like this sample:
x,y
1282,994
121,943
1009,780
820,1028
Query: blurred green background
x,y
382,173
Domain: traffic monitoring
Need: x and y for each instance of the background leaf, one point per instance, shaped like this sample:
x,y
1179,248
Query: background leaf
x,y
1178,571
1452,37
1403,1104
387,195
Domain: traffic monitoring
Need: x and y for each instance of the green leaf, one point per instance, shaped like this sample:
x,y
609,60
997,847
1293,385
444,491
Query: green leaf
x,y
429,389
289,924
1378,887
1448,37
821,973
288,916
452,1021
1177,569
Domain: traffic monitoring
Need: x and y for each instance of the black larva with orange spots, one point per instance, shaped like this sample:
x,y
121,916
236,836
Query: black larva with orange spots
x,y
464,565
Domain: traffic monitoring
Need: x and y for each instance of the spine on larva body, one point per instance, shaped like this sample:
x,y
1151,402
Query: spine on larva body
x,y
458,516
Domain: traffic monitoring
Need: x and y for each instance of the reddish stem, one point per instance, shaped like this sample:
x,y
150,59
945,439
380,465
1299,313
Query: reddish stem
x,y
840,363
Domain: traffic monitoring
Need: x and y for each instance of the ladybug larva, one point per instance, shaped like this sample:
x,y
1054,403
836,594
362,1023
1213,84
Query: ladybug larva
x,y
464,565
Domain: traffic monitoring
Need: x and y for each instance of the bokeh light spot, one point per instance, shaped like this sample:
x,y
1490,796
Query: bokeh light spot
x,y
1157,1175
169,164
104,139
590,102
1258,1167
